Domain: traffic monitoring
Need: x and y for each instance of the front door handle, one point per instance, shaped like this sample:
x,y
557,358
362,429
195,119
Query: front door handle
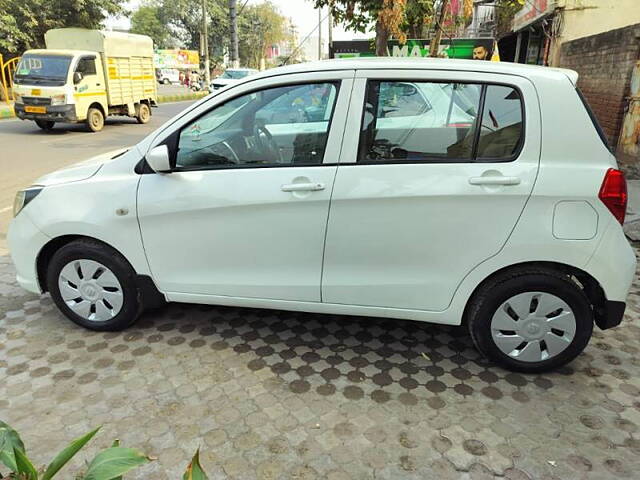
x,y
302,187
494,180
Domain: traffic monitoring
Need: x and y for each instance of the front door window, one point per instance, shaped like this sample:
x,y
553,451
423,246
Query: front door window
x,y
274,127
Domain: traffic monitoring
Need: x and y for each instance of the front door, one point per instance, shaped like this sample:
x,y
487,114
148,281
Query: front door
x,y
91,86
432,186
244,211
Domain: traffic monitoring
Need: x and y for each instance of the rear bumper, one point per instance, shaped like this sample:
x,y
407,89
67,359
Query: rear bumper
x,y
58,113
612,315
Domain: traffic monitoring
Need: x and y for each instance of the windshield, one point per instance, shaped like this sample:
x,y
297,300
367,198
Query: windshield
x,y
43,69
235,74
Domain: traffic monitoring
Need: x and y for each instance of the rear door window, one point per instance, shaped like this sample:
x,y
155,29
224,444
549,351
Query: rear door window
x,y
440,122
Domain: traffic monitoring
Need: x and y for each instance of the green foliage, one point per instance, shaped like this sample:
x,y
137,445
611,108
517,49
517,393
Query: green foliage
x,y
259,26
113,462
194,470
23,23
25,468
357,15
109,464
66,454
9,442
148,20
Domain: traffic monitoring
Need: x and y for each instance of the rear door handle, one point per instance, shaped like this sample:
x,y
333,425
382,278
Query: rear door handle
x,y
494,180
302,187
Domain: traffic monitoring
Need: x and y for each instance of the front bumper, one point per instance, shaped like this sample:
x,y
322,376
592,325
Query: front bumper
x,y
25,242
57,113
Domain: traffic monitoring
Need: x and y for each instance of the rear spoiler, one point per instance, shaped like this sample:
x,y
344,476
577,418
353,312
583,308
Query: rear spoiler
x,y
572,75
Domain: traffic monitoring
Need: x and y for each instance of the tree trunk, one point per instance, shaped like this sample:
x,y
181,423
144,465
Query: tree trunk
x,y
435,42
382,36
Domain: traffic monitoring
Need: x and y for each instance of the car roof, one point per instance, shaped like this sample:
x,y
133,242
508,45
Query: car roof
x,y
387,63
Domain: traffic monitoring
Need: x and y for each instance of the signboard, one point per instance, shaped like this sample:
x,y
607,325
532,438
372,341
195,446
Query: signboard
x,y
187,59
462,48
532,11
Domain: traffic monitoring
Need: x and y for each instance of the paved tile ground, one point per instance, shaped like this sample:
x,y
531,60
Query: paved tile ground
x,y
271,395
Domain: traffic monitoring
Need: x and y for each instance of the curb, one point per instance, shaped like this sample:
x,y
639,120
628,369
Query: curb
x,y
184,97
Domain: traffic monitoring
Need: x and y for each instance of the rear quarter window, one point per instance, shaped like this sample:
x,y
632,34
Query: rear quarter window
x,y
594,120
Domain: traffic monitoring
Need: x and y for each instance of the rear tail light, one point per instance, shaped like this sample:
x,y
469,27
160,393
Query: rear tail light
x,y
613,193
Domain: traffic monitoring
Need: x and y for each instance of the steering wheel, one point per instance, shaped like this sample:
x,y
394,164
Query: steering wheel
x,y
265,142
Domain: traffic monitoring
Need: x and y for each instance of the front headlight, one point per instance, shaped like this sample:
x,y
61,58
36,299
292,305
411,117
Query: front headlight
x,y
59,100
23,197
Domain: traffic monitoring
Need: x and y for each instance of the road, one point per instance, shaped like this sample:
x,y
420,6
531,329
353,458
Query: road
x,y
27,153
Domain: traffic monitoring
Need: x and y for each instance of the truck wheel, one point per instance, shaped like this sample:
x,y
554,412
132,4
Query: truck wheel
x,y
166,81
144,113
45,125
95,119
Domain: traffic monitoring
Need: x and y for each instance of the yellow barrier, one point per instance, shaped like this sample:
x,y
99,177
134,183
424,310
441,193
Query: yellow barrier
x,y
7,69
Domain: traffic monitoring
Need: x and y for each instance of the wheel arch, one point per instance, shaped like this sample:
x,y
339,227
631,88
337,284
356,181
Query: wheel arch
x,y
591,287
100,107
151,296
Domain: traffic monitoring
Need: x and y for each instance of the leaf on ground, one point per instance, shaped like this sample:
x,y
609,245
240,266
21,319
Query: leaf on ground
x,y
9,441
194,470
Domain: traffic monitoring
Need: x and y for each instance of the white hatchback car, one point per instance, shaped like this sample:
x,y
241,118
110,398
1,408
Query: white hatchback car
x,y
443,191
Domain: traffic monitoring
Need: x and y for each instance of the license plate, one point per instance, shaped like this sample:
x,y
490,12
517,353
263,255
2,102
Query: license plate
x,y
35,109
36,91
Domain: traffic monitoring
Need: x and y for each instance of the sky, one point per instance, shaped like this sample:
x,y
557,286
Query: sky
x,y
304,16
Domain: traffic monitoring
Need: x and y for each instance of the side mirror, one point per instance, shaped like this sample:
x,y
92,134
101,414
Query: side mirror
x,y
77,77
158,159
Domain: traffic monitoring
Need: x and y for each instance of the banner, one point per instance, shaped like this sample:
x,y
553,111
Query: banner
x,y
461,48
185,59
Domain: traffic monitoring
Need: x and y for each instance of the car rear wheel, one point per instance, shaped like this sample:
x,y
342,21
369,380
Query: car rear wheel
x,y
144,113
94,286
45,125
530,320
95,119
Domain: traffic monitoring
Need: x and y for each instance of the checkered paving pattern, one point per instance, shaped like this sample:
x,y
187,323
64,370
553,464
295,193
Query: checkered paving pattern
x,y
271,395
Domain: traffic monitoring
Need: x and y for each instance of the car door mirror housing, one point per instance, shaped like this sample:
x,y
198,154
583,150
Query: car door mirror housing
x,y
158,159
77,77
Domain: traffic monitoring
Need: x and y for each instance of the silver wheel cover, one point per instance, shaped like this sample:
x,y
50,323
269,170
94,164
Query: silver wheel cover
x,y
533,326
90,290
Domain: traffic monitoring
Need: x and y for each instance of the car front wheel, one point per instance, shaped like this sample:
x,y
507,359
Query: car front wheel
x,y
94,286
530,320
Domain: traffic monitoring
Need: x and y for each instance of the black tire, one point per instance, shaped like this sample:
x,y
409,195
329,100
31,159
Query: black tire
x,y
114,261
46,125
166,81
495,292
143,113
95,119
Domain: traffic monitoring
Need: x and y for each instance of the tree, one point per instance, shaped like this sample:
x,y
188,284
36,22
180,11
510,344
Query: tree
x,y
148,20
358,15
259,27
23,23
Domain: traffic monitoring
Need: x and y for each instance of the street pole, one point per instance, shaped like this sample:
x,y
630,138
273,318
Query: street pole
x,y
235,56
205,45
319,33
330,28
435,43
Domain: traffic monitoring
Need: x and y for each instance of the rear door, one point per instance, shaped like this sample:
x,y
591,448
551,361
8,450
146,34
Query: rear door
x,y
431,185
